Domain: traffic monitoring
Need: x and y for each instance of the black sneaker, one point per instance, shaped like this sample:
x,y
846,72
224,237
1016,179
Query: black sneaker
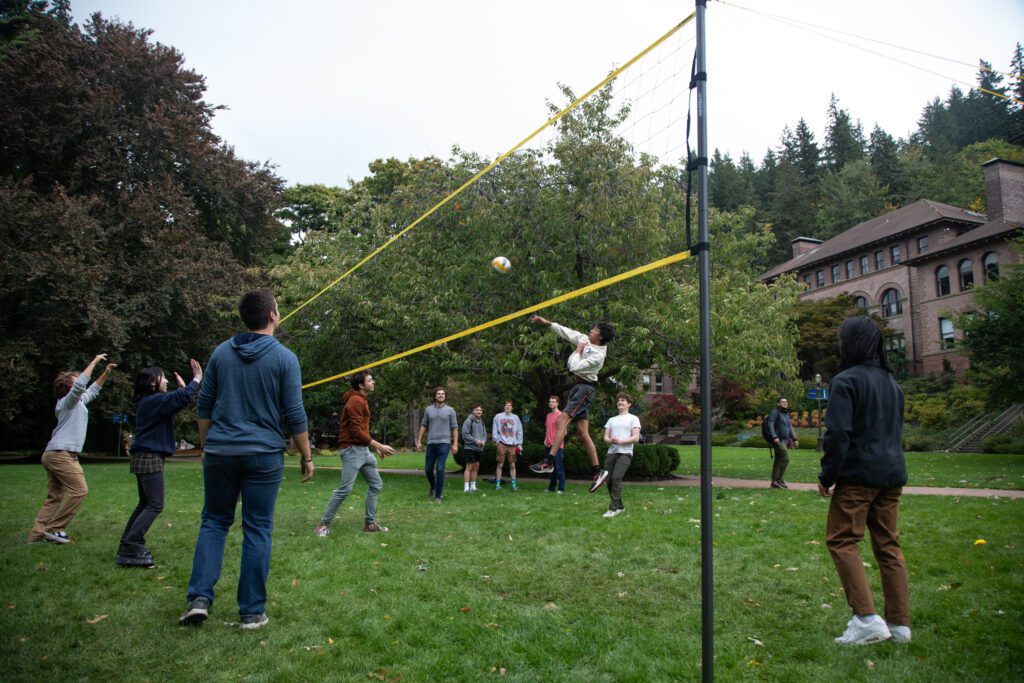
x,y
195,612
776,485
542,467
251,622
143,560
598,480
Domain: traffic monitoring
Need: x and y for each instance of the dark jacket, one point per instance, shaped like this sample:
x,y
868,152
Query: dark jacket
x,y
863,441
780,427
154,419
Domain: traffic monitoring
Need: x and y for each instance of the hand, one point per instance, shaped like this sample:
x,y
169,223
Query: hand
x,y
181,382
775,441
307,469
825,492
98,358
539,320
197,370
582,345
417,447
796,443
106,370
455,448
384,450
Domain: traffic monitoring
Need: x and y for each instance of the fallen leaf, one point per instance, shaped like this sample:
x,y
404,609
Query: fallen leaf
x,y
792,569
10,605
550,605
623,594
295,582
980,541
620,574
383,545
753,662
870,664
378,674
812,543
330,641
387,617
776,566
160,578
492,625
97,619
825,605
501,671
464,609
755,641
510,537
169,525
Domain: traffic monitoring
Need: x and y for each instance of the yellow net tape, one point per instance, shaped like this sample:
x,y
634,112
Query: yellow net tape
x,y
497,161
654,265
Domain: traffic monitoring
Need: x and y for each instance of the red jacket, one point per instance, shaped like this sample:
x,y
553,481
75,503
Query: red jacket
x,y
355,420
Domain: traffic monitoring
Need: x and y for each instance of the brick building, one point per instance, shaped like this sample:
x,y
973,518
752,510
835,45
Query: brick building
x,y
917,266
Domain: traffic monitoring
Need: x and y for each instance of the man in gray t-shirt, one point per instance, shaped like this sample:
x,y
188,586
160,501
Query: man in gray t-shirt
x,y
442,429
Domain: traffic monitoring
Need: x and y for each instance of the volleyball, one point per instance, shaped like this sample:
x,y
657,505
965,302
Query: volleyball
x,y
501,264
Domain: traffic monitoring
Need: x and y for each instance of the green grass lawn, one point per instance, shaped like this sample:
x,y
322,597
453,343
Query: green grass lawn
x,y
959,470
520,586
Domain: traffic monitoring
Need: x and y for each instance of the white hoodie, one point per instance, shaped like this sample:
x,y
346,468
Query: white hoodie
x,y
589,363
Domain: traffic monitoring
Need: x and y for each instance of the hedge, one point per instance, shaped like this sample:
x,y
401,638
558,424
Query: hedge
x,y
649,462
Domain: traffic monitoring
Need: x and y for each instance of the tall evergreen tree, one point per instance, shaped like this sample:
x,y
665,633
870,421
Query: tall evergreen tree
x,y
844,141
883,155
728,188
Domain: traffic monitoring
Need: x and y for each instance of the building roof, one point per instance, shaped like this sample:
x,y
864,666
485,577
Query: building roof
x,y
990,231
880,229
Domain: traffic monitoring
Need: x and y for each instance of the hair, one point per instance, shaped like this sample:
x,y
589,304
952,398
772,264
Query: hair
x,y
356,380
623,394
509,401
606,331
255,308
63,382
780,399
557,398
860,342
475,406
147,382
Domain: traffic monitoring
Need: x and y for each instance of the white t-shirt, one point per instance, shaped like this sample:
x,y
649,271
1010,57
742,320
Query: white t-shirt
x,y
621,427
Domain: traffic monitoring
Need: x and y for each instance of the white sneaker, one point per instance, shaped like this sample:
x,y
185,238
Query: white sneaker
x,y
322,530
864,631
900,634
611,513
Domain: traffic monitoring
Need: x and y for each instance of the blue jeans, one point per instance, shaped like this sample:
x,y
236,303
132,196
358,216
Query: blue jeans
x,y
256,478
437,456
356,459
558,475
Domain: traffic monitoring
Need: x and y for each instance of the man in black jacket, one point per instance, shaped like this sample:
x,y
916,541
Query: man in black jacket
x,y
863,471
783,438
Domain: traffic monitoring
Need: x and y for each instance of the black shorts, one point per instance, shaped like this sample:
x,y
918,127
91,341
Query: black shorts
x,y
580,397
472,456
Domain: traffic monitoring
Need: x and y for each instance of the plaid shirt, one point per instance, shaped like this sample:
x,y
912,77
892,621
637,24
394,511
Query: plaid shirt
x,y
144,462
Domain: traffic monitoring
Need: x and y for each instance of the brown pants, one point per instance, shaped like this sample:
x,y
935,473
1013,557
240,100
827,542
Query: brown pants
x,y
850,510
65,491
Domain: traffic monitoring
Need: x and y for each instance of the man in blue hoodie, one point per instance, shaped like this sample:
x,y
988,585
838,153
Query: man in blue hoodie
x,y
251,385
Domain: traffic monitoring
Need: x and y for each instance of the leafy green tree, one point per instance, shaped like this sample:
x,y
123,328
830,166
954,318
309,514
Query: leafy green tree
x,y
992,337
130,227
849,197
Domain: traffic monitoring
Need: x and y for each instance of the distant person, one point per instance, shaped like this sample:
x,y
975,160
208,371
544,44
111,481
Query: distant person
x,y
65,479
557,482
474,436
441,427
507,432
251,389
355,444
621,432
155,409
863,471
584,363
780,429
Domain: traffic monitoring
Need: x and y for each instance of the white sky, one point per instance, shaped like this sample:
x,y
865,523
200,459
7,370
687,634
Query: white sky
x,y
323,87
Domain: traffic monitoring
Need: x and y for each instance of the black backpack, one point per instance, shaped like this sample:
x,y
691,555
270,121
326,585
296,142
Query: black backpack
x,y
766,432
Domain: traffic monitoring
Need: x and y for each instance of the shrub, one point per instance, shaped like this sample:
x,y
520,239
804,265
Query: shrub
x,y
922,442
724,439
665,410
1007,442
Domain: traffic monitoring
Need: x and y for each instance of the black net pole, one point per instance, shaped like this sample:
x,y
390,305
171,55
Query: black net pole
x,y
706,499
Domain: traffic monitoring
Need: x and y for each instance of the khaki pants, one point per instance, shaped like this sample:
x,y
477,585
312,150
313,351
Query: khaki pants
x,y
65,491
850,510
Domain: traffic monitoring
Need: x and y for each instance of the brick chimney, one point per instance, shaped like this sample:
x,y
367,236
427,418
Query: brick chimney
x,y
1004,190
802,245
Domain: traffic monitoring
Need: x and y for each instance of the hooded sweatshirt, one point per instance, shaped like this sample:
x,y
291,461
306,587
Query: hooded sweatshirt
x,y
584,365
355,420
251,384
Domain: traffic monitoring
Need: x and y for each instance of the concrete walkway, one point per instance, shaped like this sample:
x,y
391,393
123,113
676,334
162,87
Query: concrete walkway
x,y
693,481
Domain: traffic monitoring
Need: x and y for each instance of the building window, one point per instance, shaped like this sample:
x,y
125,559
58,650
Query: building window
x,y
966,271
879,260
861,303
896,352
922,244
807,280
894,252
819,277
990,264
863,265
891,304
849,269
942,281
647,381
946,333
835,274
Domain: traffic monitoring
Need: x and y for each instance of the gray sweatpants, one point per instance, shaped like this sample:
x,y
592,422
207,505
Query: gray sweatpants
x,y
356,459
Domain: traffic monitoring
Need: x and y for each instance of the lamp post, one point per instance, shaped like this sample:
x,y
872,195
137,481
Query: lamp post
x,y
817,393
